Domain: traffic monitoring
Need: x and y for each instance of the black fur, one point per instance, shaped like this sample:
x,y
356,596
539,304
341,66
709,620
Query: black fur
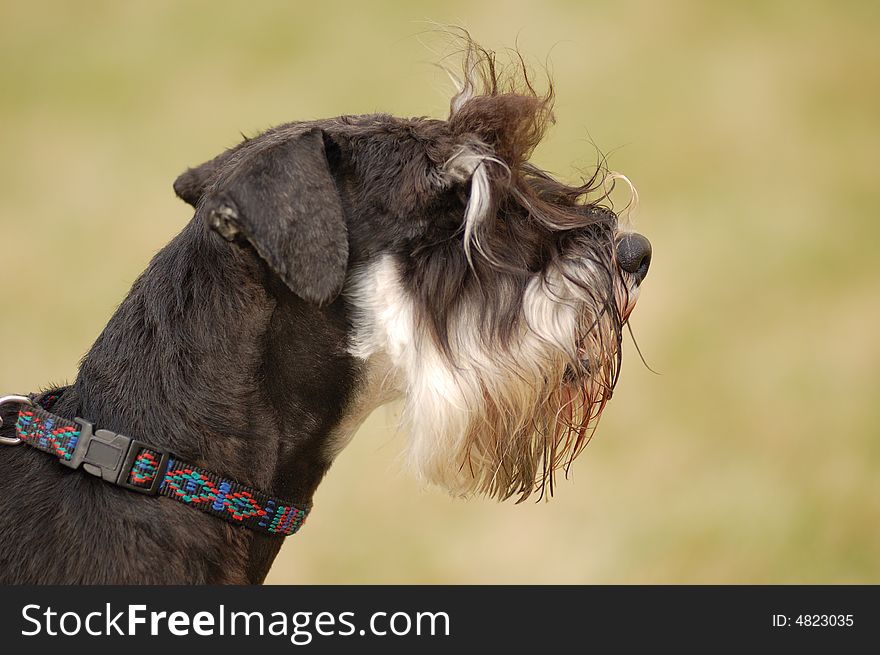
x,y
197,359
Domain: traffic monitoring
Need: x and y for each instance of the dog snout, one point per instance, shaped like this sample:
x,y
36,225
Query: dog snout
x,y
634,255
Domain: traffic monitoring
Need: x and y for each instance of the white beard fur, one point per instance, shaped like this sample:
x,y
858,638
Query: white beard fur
x,y
493,421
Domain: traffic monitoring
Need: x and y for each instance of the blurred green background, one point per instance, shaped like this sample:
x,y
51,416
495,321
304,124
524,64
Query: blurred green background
x,y
751,131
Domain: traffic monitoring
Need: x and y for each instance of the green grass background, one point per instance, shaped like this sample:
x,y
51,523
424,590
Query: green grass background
x,y
751,132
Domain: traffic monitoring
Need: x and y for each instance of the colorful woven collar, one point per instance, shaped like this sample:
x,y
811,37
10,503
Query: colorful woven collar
x,y
140,467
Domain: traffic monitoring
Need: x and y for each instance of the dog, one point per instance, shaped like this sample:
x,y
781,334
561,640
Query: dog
x,y
330,266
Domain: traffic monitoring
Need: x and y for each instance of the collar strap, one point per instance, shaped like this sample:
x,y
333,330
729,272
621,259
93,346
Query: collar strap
x,y
146,469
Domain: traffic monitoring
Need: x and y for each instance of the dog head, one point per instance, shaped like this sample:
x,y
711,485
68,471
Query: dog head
x,y
489,295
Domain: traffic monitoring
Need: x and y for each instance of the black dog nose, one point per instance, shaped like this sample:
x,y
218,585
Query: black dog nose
x,y
634,255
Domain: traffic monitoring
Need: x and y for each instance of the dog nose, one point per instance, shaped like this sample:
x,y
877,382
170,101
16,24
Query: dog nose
x,y
634,255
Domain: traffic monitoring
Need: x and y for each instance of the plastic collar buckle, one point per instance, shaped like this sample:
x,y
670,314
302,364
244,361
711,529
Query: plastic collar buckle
x,y
111,456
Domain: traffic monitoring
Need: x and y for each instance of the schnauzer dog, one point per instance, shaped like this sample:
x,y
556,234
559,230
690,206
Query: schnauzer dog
x,y
331,266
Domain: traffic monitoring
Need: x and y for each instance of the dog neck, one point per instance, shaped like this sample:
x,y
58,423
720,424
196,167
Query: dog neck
x,y
212,358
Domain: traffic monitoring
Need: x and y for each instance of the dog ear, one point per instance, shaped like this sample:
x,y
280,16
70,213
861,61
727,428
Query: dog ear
x,y
190,185
284,201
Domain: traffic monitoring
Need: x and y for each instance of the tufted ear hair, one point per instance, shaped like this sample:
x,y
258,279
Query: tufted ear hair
x,y
283,200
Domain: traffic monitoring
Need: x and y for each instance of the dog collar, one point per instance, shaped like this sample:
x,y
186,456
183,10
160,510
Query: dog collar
x,y
146,469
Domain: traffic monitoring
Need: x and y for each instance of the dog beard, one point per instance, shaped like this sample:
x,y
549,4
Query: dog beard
x,y
512,389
